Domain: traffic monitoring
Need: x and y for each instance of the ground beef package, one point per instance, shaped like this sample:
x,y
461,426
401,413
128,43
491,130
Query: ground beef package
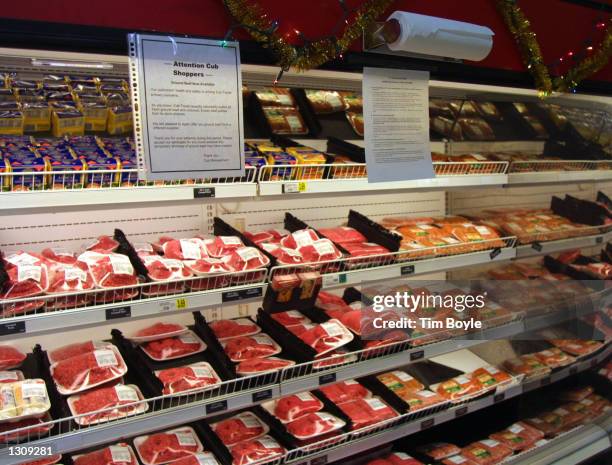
x,y
292,407
188,378
35,427
110,270
120,454
10,357
290,318
114,398
255,450
345,391
225,329
78,348
243,348
88,370
518,436
245,426
366,412
327,336
172,348
156,331
161,448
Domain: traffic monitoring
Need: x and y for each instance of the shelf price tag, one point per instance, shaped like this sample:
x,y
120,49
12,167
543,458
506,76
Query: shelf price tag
x,y
461,411
495,252
326,379
233,296
6,329
203,192
536,246
334,279
426,424
499,397
319,460
118,312
417,355
182,303
262,395
294,187
599,240
407,270
216,407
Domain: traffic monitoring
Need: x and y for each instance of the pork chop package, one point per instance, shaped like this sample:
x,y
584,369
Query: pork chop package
x,y
292,407
175,347
313,425
212,270
115,398
110,270
27,277
161,448
255,450
184,249
10,357
189,378
243,348
225,329
258,365
87,370
119,454
299,239
327,336
159,330
77,348
244,426
345,391
366,412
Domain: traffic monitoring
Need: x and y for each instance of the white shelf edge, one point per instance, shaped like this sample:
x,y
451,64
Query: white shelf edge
x,y
528,250
559,177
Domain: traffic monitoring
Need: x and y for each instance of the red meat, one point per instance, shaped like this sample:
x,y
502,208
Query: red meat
x,y
59,256
159,329
242,427
352,320
326,336
289,318
366,412
243,348
87,370
366,249
259,237
299,239
343,235
295,406
246,258
38,428
110,270
169,446
114,455
297,330
72,350
188,378
255,450
439,450
225,329
327,298
284,255
104,244
485,452
345,391
65,278
164,269
262,365
320,251
46,461
400,458
110,397
313,425
172,347
10,357
185,249
198,459
28,276
223,245
207,265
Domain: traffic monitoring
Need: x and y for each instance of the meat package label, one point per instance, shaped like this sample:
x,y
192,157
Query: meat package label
x,y
185,438
120,454
105,358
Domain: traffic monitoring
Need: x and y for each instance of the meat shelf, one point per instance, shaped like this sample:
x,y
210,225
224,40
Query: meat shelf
x,y
247,391
69,188
589,236
558,171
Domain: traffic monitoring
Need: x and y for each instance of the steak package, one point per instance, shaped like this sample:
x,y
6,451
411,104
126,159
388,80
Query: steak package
x,y
88,370
78,348
260,449
290,318
171,348
326,337
243,348
245,259
201,458
184,249
225,329
165,269
35,427
25,399
260,365
313,425
115,398
439,450
104,244
161,448
188,378
10,357
119,454
366,412
345,391
65,278
221,246
244,426
290,408
156,331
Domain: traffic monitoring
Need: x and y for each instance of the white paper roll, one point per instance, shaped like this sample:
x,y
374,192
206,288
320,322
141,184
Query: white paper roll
x,y
430,35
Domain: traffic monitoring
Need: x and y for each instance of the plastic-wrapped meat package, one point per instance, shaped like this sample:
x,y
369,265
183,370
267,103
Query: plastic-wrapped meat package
x,y
399,381
75,349
325,101
476,129
46,461
313,425
576,394
284,255
489,376
327,336
286,120
64,278
115,398
439,450
36,427
554,357
459,459
243,348
366,249
164,269
242,427
109,271
418,400
255,450
518,436
261,237
334,358
223,245
259,365
277,96
345,391
400,458
158,247
10,357
366,412
528,365
356,122
59,256
352,320
188,378
455,388
569,416
159,330
548,423
299,239
185,249
596,403
161,448
87,370
444,126
214,268
104,244
486,452
343,235
27,277
292,407
322,250
119,454
290,317
174,347
577,347
225,329
11,376
246,258
201,458
301,328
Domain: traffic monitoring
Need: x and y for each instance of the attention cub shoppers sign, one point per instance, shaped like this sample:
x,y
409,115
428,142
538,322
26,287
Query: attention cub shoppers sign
x,y
187,96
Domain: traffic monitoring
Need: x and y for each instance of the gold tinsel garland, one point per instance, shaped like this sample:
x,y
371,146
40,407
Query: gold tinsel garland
x,y
520,28
312,54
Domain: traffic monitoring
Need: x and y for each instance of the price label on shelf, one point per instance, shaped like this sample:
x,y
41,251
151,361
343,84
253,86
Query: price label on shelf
x,y
6,329
182,303
294,187
334,279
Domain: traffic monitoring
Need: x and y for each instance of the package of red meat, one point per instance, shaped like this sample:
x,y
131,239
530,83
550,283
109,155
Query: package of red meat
x,y
366,412
36,427
119,454
401,458
223,245
201,458
10,357
59,255
73,278
28,277
327,336
242,427
345,391
518,436
245,259
165,269
213,270
459,459
185,249
486,452
243,348
343,235
298,329
225,329
103,244
11,376
88,370
292,407
158,246
313,425
111,270
161,448
269,236
322,250
299,239
78,348
157,331
195,377
115,400
258,365
290,318
334,358
439,450
51,460
172,348
284,255
256,450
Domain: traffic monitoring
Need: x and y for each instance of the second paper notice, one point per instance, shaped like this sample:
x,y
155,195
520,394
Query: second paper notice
x,y
396,119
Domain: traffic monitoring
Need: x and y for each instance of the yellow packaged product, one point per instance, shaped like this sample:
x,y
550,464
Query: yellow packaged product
x,y
11,122
120,120
96,115
308,156
36,116
67,122
24,399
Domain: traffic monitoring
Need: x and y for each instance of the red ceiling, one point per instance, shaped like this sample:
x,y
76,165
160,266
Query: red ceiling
x,y
561,27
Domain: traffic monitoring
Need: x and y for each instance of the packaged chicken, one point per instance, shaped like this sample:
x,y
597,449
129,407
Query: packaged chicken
x,y
285,120
439,450
554,357
275,97
446,127
356,122
400,381
418,400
